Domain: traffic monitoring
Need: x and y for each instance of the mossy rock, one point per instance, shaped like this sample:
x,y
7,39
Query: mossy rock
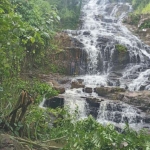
x,y
121,48
120,57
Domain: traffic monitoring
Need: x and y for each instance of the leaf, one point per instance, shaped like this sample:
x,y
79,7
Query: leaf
x,y
1,89
1,10
45,34
33,51
32,39
58,18
75,144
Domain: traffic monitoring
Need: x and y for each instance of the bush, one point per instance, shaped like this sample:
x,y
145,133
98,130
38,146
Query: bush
x,y
90,135
120,48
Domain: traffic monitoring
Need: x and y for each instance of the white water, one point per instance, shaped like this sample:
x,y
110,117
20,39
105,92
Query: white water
x,y
108,24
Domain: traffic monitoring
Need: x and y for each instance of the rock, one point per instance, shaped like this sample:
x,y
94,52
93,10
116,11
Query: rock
x,y
50,83
80,81
105,91
54,102
94,104
93,101
104,39
147,120
142,87
76,84
120,58
88,90
86,33
139,99
117,117
9,143
54,83
64,81
60,90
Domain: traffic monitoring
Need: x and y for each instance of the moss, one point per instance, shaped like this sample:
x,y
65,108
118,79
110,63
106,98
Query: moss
x,y
120,48
145,24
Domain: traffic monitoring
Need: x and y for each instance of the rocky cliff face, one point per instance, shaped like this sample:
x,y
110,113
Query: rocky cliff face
x,y
69,49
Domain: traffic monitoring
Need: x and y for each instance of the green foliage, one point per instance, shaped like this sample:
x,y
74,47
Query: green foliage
x,y
37,13
10,50
69,12
90,135
146,9
140,7
120,48
56,69
145,24
135,18
32,121
36,124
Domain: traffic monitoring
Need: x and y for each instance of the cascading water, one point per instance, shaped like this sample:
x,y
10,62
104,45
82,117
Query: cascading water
x,y
100,32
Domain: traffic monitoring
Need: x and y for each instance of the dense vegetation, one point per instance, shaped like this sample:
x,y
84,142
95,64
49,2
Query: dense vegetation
x,y
141,11
141,6
26,38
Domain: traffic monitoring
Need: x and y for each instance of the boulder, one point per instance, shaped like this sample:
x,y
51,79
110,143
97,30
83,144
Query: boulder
x,y
106,91
88,90
54,102
76,84
9,143
93,104
120,59
60,89
64,81
140,99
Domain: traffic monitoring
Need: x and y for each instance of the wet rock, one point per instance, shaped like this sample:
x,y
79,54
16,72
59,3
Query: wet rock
x,y
139,99
103,39
76,84
114,107
88,90
147,120
60,90
86,33
93,104
114,82
105,91
117,117
54,102
80,81
76,43
93,101
64,81
142,87
120,59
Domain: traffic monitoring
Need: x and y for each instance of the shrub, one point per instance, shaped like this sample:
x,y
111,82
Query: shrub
x,y
121,48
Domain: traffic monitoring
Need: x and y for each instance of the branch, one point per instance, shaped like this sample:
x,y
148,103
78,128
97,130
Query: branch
x,y
41,145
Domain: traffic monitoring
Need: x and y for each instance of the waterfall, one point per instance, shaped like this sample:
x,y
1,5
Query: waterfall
x,y
101,30
118,114
100,33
